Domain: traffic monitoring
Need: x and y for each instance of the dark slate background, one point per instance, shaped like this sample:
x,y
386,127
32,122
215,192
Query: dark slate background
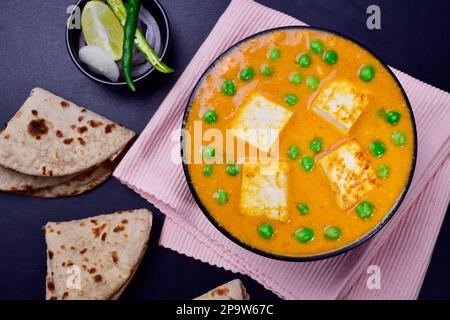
x,y
414,38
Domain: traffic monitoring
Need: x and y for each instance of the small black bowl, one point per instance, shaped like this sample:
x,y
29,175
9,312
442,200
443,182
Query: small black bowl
x,y
73,37
267,254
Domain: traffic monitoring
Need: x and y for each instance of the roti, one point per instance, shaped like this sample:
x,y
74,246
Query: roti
x,y
79,184
95,258
13,181
233,290
50,136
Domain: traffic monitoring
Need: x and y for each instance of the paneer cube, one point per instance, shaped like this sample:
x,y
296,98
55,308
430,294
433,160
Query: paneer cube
x,y
264,190
259,122
341,103
350,173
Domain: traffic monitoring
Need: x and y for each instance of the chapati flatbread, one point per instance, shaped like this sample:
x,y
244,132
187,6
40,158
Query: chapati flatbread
x,y
79,184
95,258
233,290
13,181
50,136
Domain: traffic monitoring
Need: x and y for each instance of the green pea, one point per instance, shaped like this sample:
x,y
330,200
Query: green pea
x,y
330,57
274,54
377,148
266,70
399,139
364,210
207,170
293,151
228,87
246,73
232,170
304,60
366,73
307,163
303,209
265,230
392,117
316,145
209,152
304,235
221,196
312,82
210,116
317,46
381,113
295,78
383,171
332,233
291,99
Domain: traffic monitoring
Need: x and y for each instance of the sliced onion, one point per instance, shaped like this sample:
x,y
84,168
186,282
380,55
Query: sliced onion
x,y
100,62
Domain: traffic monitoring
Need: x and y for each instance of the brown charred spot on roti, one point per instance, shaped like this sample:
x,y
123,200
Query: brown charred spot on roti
x,y
124,221
80,118
68,141
83,251
72,248
34,112
6,136
94,221
119,229
50,229
63,264
81,141
69,263
110,127
50,173
62,247
50,285
59,134
82,129
53,298
58,232
44,170
98,278
83,110
37,128
115,256
104,236
73,127
95,124
50,254
98,231
65,295
64,104
82,224
220,292
92,270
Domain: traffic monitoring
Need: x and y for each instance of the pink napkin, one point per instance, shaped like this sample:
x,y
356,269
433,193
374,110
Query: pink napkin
x,y
401,251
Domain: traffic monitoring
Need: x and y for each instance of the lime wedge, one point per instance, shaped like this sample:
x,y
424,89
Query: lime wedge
x,y
102,29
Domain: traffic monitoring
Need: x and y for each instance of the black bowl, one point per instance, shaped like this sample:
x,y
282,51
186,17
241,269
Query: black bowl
x,y
319,256
73,37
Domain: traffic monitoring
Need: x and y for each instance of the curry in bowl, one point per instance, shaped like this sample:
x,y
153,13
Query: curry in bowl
x,y
333,133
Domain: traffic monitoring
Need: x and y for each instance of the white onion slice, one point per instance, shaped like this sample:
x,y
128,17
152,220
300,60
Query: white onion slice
x,y
100,62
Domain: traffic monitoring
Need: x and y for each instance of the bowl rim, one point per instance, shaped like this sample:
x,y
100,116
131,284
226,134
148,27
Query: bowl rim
x,y
313,257
84,70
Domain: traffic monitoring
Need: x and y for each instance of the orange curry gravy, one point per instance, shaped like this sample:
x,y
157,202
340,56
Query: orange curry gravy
x,y
312,188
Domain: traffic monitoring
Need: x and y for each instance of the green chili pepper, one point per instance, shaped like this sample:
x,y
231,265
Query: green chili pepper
x,y
129,32
119,10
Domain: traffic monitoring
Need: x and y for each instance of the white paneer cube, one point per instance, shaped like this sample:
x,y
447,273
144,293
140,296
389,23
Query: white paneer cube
x,y
350,173
264,190
341,103
259,122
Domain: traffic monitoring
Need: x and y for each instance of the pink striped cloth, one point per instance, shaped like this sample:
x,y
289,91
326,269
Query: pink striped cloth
x,y
402,250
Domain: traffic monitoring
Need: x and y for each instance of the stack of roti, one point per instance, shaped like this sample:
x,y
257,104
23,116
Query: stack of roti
x,y
95,258
233,290
52,148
